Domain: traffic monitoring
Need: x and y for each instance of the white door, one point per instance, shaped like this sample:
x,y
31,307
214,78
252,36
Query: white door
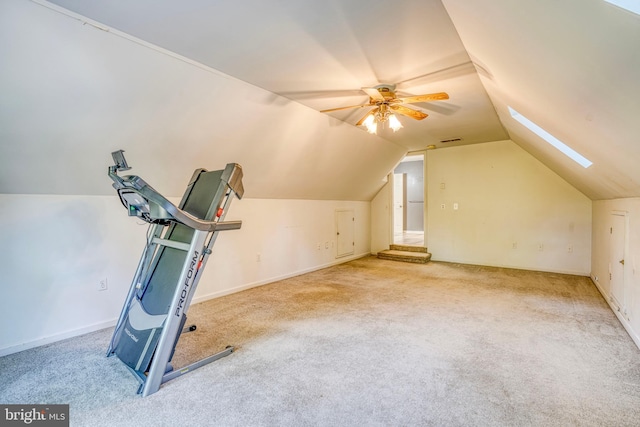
x,y
616,260
398,202
345,220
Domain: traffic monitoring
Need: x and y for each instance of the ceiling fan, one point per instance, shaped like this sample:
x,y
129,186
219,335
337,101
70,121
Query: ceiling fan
x,y
383,99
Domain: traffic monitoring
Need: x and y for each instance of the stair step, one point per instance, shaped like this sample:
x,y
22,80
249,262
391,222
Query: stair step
x,y
408,248
405,256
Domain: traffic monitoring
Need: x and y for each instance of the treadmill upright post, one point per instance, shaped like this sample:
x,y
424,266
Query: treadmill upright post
x,y
171,328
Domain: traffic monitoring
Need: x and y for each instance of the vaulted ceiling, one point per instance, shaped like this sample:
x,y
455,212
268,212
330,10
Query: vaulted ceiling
x,y
321,53
571,67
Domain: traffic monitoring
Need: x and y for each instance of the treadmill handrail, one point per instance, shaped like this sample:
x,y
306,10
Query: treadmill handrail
x,y
138,185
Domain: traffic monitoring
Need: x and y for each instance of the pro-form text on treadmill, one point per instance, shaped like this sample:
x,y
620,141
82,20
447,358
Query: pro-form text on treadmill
x,y
187,283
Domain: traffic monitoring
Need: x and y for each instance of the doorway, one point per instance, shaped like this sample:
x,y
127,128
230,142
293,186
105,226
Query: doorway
x,y
399,202
408,201
616,260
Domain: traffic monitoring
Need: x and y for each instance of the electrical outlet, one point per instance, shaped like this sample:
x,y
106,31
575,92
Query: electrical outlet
x,y
443,206
318,246
102,284
515,245
540,247
258,257
569,248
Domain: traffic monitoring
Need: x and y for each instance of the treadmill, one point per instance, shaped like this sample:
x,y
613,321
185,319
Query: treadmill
x,y
179,242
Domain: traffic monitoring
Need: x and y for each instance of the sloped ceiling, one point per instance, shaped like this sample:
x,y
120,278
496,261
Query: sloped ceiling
x,y
569,66
321,53
72,93
573,68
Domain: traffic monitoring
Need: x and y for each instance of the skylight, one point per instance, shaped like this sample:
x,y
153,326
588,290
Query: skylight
x,y
630,5
566,150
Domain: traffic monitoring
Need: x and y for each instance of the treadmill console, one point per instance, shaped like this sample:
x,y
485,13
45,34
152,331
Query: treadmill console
x,y
129,189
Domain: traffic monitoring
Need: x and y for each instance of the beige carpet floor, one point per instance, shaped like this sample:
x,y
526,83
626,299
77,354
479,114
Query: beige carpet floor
x,y
370,342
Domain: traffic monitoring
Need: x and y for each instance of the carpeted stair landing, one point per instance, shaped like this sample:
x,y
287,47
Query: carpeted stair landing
x,y
416,254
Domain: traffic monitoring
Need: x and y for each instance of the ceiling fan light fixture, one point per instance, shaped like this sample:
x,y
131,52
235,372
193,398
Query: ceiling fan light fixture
x,y
371,124
385,103
369,120
372,128
394,123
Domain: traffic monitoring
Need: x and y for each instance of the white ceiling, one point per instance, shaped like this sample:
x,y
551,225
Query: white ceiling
x,y
321,53
571,66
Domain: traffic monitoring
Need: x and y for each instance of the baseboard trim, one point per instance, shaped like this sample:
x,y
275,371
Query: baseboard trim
x,y
112,322
625,323
57,337
514,266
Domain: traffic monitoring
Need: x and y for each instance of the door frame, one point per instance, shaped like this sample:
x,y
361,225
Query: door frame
x,y
619,301
422,153
403,202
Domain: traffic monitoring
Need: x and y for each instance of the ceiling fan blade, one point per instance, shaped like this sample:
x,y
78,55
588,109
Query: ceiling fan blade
x,y
423,98
375,110
373,93
345,108
414,114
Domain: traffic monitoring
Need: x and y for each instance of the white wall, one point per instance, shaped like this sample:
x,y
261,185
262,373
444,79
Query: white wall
x,y
57,248
381,220
505,197
602,212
